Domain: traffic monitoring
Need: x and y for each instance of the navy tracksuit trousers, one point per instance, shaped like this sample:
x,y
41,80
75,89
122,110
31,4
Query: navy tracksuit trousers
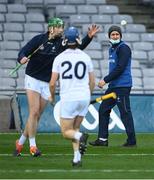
x,y
123,103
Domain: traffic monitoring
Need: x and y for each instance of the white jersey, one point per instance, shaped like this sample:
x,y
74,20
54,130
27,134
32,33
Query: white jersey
x,y
73,67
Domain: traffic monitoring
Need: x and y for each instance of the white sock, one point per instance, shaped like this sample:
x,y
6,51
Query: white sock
x,y
77,156
102,139
32,141
75,159
77,135
22,139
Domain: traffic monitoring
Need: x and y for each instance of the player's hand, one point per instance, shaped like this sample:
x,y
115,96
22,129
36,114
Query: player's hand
x,y
93,30
24,60
101,83
51,100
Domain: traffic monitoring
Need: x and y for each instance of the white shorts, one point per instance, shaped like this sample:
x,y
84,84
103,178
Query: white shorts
x,y
39,86
71,109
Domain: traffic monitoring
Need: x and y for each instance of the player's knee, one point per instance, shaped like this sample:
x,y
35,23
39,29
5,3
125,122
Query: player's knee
x,y
64,133
35,114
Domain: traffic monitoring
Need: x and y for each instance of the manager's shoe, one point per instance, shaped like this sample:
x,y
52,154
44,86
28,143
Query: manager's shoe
x,y
34,151
99,142
18,149
83,143
127,144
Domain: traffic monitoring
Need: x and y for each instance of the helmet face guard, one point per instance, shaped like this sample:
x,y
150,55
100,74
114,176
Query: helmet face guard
x,y
55,22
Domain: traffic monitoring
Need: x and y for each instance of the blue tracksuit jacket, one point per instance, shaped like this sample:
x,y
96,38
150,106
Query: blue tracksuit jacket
x,y
119,66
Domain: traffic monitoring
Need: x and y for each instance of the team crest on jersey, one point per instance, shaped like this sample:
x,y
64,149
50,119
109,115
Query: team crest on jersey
x,y
49,43
111,60
53,49
42,48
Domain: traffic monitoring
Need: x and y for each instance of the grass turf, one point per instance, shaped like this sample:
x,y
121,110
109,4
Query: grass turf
x,y
113,162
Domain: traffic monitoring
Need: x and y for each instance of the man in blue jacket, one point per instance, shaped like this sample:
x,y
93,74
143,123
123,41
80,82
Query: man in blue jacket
x,y
120,82
38,74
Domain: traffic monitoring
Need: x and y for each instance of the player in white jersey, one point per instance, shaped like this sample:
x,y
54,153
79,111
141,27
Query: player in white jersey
x,y
77,81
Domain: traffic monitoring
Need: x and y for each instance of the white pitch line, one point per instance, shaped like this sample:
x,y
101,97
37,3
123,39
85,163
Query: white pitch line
x,y
78,170
136,154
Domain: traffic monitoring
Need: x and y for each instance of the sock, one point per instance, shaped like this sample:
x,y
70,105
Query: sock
x,y
102,139
77,156
75,159
32,141
77,135
22,139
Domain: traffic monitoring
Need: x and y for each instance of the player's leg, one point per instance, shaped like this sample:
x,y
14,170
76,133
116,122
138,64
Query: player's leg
x,y
31,123
36,107
67,128
37,95
67,113
82,111
69,124
75,143
68,131
37,99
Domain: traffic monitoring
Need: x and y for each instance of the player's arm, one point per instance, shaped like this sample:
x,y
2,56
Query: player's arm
x,y
29,48
54,78
91,81
52,86
92,30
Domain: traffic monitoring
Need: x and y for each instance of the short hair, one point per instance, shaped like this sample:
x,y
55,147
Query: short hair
x,y
55,22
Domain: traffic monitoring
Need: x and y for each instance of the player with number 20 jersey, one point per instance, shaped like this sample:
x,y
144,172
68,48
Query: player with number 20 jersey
x,y
77,81
73,67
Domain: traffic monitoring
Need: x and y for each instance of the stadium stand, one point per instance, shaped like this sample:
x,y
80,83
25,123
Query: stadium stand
x,y
111,9
98,2
102,19
88,9
9,45
15,17
3,8
34,27
20,20
16,8
74,2
13,27
118,18
64,10
2,18
12,36
151,58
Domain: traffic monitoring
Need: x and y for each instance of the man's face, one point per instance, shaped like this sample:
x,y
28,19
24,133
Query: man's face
x,y
114,35
56,31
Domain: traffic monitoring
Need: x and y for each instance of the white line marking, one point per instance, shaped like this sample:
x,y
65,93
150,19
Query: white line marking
x,y
77,170
136,154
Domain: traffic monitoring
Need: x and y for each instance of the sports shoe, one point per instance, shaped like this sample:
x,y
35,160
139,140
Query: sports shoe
x,y
18,149
34,151
83,143
99,142
127,144
77,164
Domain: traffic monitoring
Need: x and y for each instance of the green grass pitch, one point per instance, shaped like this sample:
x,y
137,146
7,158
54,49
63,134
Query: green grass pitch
x,y
113,162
